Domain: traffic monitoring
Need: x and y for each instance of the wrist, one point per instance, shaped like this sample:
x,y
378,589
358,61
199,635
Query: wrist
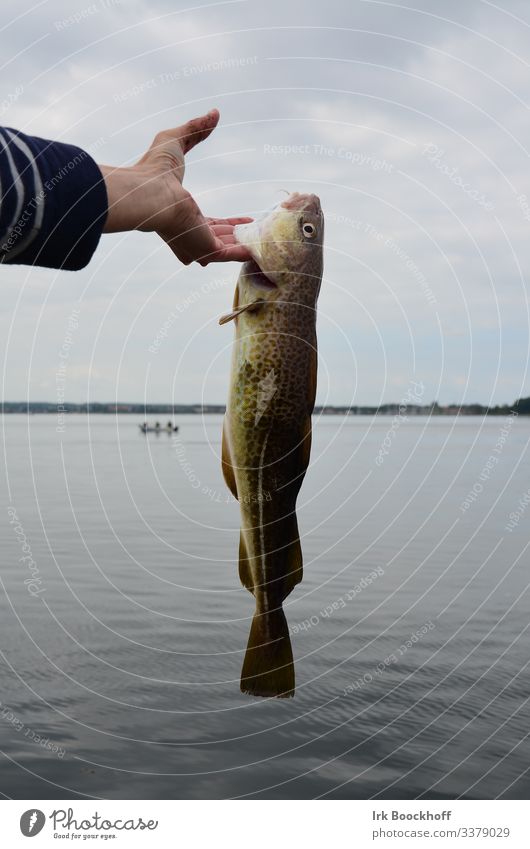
x,y
136,198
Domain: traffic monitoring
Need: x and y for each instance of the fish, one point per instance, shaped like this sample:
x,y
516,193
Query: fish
x,y
266,441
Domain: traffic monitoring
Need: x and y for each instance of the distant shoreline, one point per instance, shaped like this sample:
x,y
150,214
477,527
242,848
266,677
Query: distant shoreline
x,y
519,407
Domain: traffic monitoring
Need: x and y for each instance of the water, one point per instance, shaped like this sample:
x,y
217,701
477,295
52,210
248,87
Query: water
x,y
120,663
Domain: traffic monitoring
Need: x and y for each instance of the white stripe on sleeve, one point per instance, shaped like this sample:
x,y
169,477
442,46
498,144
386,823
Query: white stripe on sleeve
x,y
38,199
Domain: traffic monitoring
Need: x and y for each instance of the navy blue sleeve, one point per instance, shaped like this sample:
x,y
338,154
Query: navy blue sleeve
x,y
53,202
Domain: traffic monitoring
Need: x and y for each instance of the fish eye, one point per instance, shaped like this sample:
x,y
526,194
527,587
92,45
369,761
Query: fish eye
x,y
309,230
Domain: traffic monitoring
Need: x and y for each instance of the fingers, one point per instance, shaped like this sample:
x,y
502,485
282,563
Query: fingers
x,y
228,250
192,238
224,253
232,221
225,250
222,229
232,253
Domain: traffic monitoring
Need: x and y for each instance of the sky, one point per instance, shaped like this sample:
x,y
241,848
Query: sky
x,y
409,121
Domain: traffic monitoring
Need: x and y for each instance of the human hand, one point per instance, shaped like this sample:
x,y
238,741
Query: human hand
x,y
149,196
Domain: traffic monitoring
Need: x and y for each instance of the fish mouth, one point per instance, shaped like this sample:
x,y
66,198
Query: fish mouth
x,y
257,277
250,236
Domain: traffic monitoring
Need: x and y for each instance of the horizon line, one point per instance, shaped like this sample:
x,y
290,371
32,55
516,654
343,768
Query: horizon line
x,y
202,404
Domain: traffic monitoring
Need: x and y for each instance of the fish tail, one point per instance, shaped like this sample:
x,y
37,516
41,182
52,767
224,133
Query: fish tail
x,y
268,668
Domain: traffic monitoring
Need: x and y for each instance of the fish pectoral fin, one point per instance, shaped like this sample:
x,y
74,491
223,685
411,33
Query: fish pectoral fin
x,y
229,316
268,668
235,312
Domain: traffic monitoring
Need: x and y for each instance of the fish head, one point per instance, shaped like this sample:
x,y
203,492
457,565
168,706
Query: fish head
x,y
286,244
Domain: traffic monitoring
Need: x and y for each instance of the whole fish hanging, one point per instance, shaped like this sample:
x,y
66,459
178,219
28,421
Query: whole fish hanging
x,y
267,426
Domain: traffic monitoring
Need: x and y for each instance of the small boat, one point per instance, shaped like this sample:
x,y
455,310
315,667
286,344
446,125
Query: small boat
x,y
169,428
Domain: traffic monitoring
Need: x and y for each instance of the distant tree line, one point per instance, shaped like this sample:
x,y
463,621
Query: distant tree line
x,y
521,406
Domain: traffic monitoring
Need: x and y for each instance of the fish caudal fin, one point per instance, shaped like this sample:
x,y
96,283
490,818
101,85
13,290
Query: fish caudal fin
x,y
268,668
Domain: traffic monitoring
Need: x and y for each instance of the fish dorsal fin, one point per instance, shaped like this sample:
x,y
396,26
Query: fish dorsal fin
x,y
235,312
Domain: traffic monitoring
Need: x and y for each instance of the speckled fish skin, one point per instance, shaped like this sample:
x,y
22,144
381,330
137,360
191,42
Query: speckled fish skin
x,y
267,428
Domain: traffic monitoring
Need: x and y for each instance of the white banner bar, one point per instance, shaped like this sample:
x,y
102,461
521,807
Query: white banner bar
x,y
262,824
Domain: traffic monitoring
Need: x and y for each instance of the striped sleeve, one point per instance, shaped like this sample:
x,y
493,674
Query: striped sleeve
x,y
53,202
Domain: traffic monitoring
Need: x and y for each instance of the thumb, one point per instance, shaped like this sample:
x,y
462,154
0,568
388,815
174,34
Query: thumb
x,y
170,146
196,130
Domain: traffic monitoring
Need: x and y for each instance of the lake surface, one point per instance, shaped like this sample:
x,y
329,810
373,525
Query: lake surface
x,y
124,629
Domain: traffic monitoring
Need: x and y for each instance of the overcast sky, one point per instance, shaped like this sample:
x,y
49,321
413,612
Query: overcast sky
x,y
412,124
